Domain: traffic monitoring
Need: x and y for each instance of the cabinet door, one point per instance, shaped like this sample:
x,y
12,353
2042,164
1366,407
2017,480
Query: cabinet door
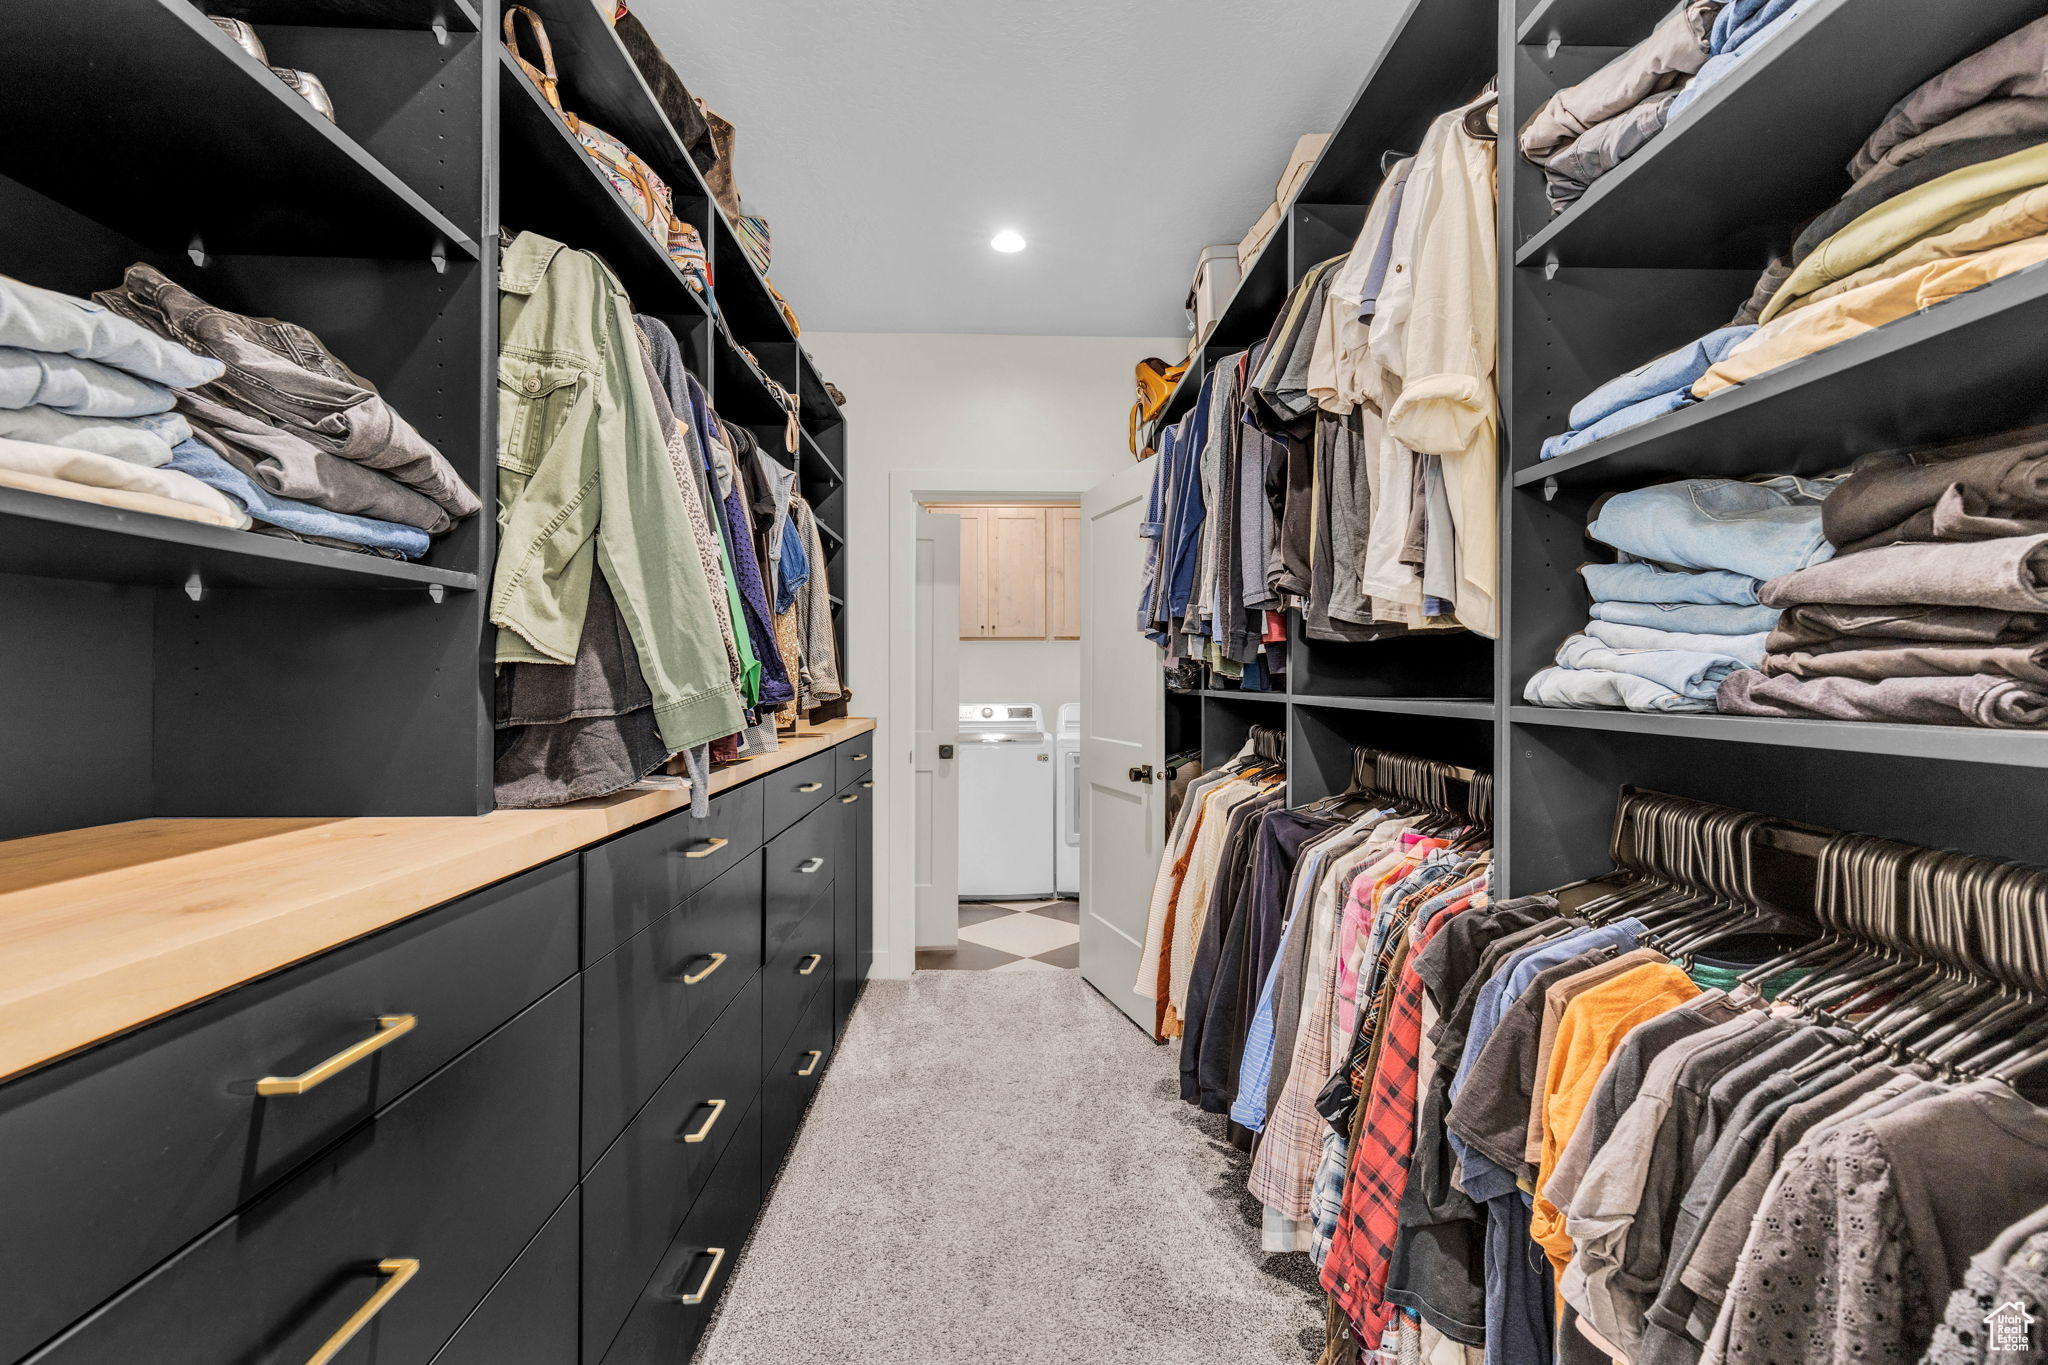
x,y
1016,573
1063,531
974,575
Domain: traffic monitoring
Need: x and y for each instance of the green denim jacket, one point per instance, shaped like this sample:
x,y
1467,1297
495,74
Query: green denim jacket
x,y
583,479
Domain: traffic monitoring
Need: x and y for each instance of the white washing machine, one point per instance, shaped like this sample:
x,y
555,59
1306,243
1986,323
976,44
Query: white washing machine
x,y
1066,766
1006,802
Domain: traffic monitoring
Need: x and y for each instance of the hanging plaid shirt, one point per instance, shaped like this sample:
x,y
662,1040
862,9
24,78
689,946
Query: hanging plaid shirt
x,y
1355,1272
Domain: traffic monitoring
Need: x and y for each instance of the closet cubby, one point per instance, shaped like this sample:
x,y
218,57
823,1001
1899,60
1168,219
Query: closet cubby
x,y
164,668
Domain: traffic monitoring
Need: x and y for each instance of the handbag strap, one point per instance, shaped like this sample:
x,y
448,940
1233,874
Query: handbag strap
x,y
542,76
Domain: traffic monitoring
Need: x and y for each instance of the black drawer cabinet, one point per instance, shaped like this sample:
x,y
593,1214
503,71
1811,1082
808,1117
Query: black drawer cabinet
x,y
426,1206
645,873
802,862
799,970
791,1081
856,760
529,1317
796,791
850,888
646,1004
668,1317
637,1195
122,1155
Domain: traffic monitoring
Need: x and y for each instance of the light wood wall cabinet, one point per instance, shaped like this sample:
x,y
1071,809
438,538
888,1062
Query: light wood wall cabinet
x,y
1020,570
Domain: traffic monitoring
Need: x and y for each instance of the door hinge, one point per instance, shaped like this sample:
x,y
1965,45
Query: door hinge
x,y
1142,773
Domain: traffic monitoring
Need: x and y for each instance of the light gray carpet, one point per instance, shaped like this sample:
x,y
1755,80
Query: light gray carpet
x,y
998,1167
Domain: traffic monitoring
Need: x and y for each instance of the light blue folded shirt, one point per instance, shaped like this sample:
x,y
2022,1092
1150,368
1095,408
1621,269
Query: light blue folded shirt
x,y
1691,617
1595,689
37,319
84,388
1748,648
1696,674
145,441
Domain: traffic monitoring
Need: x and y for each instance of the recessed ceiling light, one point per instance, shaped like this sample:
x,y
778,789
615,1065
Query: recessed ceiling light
x,y
1006,240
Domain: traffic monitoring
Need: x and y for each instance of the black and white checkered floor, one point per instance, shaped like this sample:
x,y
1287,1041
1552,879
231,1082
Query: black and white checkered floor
x,y
1011,936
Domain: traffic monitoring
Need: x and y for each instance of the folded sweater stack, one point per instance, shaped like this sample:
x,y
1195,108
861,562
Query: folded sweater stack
x,y
1948,194
1682,613
1936,608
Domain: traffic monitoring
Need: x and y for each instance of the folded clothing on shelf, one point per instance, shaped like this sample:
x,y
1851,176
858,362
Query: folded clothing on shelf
x,y
284,400
1684,609
139,440
83,476
201,461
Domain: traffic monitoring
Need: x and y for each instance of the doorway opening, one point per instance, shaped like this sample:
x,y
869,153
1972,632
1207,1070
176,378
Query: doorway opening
x,y
1017,739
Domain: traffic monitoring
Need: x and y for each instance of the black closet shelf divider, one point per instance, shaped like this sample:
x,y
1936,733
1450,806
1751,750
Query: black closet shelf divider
x,y
742,394
191,142
456,16
556,189
1734,178
816,403
1964,367
1238,694
813,452
51,537
1955,743
1449,708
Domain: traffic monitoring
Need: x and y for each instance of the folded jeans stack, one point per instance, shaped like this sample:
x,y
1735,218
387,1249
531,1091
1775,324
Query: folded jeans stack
x,y
283,427
86,402
1936,609
1682,613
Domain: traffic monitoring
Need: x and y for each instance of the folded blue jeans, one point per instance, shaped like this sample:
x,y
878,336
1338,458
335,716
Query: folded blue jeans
x,y
1633,581
1634,415
1598,689
1749,649
36,319
1695,618
203,463
1763,529
84,388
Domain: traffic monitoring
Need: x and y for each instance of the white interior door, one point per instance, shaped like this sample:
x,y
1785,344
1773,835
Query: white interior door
x,y
935,733
1123,730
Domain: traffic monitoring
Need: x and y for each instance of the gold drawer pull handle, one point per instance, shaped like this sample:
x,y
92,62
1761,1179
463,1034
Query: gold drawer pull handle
x,y
398,1273
869,783
849,798
710,1120
711,846
696,1296
860,758
814,959
390,1028
810,786
717,961
815,1057
810,865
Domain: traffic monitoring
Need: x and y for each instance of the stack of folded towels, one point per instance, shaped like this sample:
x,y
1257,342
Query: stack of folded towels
x,y
149,399
1684,610
1585,130
1935,610
1948,194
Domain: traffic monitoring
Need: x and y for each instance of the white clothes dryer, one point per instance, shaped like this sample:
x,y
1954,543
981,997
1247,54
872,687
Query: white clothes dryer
x,y
1006,802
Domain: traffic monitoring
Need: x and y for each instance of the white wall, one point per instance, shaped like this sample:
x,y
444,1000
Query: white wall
x,y
972,410
1045,671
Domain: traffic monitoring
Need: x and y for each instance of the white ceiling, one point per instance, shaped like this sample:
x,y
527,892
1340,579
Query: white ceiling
x,y
887,140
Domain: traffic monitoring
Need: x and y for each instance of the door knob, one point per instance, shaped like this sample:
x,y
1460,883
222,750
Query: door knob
x,y
1142,773
945,751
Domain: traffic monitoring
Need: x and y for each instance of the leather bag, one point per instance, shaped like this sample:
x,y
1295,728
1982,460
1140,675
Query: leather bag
x,y
1156,380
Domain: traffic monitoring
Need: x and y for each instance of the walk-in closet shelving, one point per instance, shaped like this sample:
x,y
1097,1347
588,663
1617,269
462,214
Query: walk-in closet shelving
x,y
1657,253
166,668
1404,692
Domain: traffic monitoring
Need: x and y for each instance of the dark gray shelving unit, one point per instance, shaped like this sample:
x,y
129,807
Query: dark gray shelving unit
x,y
164,668
1662,251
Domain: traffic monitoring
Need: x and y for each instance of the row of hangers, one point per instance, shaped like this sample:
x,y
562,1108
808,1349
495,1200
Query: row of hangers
x,y
1925,955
